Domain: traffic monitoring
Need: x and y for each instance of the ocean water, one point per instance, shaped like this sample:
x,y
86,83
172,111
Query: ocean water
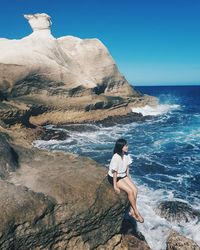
x,y
166,156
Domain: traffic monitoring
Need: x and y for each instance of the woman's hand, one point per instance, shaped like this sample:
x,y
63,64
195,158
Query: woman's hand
x,y
117,190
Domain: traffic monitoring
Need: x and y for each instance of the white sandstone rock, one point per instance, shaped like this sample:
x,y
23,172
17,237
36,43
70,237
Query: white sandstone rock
x,y
68,60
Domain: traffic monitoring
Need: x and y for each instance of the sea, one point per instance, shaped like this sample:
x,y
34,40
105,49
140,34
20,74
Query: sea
x,y
165,148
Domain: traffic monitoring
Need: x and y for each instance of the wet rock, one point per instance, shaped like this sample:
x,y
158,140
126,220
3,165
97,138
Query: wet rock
x,y
177,211
176,241
120,119
53,134
80,127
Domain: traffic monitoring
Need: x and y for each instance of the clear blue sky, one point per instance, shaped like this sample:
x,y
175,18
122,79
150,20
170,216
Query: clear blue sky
x,y
152,41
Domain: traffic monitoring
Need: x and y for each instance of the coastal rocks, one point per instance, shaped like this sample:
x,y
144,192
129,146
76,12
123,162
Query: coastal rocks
x,y
131,242
177,242
8,157
24,217
14,112
46,80
176,211
53,134
98,65
58,201
54,200
132,239
102,117
67,66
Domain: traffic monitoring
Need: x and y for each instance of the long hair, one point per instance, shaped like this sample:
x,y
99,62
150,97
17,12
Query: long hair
x,y
120,143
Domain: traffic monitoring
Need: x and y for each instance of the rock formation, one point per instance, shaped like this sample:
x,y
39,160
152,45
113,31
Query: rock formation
x,y
8,157
52,200
40,74
176,241
64,66
57,201
177,211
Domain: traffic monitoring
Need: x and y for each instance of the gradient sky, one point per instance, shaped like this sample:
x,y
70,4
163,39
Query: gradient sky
x,y
154,42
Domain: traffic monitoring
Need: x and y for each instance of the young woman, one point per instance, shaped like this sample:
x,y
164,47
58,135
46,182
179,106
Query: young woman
x,y
118,176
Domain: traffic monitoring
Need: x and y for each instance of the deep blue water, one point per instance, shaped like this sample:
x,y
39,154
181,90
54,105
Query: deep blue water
x,y
166,153
171,143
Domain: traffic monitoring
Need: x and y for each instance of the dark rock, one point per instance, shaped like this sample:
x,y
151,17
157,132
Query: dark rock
x,y
79,127
11,114
129,226
2,124
121,119
132,238
96,125
25,218
131,242
177,211
8,157
53,134
176,241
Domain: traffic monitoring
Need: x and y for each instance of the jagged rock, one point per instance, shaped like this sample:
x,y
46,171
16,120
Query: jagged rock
x,y
132,239
176,241
131,242
177,211
25,217
53,134
8,157
58,201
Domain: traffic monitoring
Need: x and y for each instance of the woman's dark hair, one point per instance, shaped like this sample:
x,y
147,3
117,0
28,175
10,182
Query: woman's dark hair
x,y
120,143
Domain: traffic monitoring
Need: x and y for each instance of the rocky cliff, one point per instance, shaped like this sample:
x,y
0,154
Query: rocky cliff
x,y
60,80
67,66
54,200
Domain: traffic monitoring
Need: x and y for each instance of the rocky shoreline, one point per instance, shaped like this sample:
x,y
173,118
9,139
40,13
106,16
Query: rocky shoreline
x,y
57,200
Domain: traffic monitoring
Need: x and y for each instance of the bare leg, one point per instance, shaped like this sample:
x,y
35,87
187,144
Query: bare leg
x,y
132,185
125,187
135,190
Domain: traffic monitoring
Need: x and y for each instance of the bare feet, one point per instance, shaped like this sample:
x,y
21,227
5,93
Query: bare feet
x,y
136,216
140,218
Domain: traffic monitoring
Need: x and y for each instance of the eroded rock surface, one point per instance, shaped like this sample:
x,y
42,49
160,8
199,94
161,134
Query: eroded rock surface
x,y
67,66
176,211
53,200
58,201
178,242
49,79
8,157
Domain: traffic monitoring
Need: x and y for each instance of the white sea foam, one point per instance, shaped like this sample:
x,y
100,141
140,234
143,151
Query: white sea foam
x,y
157,229
155,110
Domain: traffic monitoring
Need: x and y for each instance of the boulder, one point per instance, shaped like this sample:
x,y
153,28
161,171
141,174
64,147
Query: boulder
x,y
177,211
176,241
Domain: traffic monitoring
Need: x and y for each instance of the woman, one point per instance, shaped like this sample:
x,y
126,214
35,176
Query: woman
x,y
118,176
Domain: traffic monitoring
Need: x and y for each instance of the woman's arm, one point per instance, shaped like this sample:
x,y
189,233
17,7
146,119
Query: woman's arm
x,y
115,182
129,162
